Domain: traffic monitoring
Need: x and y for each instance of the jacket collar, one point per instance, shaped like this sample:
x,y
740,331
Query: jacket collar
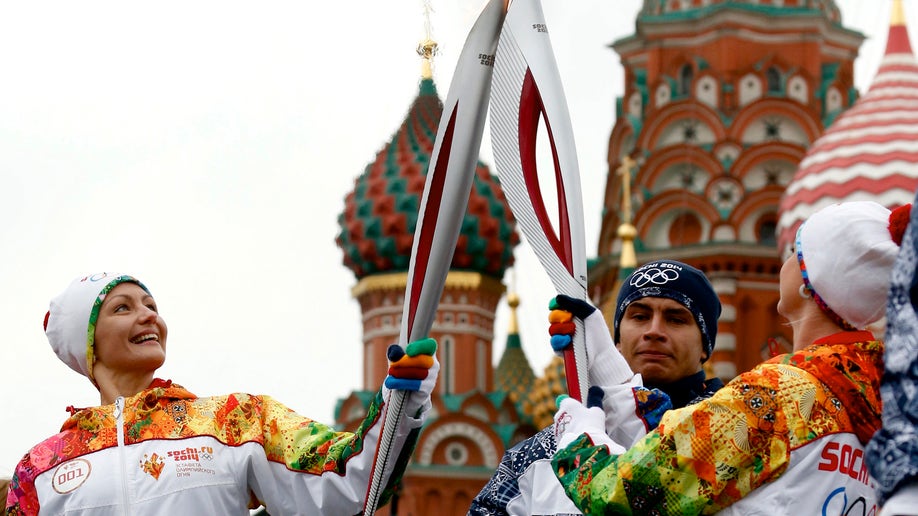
x,y
143,401
850,364
690,389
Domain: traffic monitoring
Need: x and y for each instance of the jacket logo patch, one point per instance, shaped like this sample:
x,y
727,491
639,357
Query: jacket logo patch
x,y
193,461
71,475
152,465
846,460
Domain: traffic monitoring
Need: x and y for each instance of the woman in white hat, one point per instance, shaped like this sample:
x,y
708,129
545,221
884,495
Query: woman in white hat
x,y
786,438
152,447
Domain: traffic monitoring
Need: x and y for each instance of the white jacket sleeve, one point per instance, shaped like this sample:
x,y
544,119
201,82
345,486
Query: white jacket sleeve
x,y
312,469
609,370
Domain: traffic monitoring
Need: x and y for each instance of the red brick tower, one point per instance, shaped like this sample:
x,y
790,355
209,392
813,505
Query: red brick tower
x,y
722,100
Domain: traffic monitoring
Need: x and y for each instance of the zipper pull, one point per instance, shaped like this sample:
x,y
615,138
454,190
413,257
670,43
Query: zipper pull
x,y
119,406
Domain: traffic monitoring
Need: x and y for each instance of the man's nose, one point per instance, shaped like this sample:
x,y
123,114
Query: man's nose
x,y
655,329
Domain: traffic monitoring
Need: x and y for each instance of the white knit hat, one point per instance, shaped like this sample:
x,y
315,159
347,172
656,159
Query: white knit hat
x,y
70,323
846,253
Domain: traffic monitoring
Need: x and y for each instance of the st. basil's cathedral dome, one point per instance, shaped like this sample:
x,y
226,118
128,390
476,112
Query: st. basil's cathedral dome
x,y
701,8
381,213
476,410
870,153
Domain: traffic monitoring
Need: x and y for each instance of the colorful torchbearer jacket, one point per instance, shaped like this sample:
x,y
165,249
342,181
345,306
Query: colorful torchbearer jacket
x,y
166,451
786,438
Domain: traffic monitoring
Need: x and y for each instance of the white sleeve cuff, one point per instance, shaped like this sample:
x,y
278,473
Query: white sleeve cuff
x,y
623,423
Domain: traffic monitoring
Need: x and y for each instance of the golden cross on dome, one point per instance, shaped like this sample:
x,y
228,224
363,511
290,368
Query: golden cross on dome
x,y
624,170
626,231
427,48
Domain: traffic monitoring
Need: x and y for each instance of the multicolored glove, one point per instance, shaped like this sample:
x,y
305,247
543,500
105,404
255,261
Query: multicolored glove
x,y
573,419
561,327
605,364
414,368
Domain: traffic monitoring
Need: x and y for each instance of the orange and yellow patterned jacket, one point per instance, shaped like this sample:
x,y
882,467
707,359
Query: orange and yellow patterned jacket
x,y
785,438
166,451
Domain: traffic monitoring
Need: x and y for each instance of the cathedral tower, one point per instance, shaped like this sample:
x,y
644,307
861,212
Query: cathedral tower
x,y
722,100
472,422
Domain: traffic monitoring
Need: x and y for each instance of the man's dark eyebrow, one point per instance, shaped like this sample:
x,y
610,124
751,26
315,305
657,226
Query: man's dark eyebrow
x,y
638,304
673,310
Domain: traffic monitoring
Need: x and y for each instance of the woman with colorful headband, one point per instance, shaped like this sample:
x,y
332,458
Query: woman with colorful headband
x,y
153,447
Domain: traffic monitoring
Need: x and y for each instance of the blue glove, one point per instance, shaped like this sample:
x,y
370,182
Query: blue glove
x,y
414,368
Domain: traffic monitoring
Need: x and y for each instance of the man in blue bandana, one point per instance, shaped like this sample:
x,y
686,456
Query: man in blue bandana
x,y
665,327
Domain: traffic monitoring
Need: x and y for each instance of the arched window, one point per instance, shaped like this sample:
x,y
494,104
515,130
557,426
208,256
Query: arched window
x,y
447,383
685,230
686,75
773,78
766,230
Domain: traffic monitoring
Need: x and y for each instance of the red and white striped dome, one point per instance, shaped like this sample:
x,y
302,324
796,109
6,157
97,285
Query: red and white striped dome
x,y
870,152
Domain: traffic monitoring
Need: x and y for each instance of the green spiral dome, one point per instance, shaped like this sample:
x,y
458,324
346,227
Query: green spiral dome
x,y
380,215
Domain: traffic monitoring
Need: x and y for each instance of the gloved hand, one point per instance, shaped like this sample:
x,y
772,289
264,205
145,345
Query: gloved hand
x,y
414,368
573,419
605,364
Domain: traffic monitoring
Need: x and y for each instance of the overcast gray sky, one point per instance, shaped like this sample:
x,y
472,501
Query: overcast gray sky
x,y
207,147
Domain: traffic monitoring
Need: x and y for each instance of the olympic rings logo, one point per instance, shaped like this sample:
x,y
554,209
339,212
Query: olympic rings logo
x,y
96,277
654,276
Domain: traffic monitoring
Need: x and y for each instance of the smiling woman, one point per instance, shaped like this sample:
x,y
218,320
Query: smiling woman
x,y
130,341
218,455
